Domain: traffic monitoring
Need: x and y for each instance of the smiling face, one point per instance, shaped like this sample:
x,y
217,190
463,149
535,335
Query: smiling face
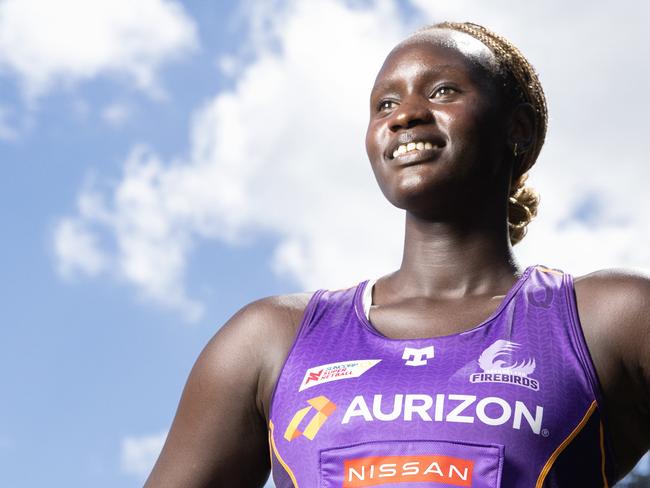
x,y
437,130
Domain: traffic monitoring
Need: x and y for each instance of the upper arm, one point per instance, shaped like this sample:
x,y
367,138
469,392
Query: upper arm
x,y
628,300
637,345
619,306
219,436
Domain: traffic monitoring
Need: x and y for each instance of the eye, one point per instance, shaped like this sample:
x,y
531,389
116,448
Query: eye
x,y
385,105
443,91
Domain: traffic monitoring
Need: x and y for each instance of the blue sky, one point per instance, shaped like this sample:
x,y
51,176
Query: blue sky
x,y
85,363
151,162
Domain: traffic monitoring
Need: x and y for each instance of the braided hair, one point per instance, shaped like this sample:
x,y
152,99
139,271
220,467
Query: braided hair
x,y
521,85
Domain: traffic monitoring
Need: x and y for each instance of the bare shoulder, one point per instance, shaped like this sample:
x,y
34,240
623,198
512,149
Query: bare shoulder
x,y
618,279
248,351
268,327
614,309
282,307
272,320
268,316
616,300
231,379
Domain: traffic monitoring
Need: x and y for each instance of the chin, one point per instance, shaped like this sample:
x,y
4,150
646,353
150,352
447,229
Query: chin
x,y
419,199
413,189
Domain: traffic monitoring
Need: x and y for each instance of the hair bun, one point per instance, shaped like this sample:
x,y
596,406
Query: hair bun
x,y
522,209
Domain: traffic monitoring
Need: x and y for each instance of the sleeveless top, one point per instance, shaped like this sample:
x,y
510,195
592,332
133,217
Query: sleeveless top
x,y
512,402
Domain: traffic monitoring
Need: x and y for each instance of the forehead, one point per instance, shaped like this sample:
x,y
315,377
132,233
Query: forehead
x,y
436,51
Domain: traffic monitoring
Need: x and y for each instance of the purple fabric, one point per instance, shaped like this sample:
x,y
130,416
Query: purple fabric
x,y
354,408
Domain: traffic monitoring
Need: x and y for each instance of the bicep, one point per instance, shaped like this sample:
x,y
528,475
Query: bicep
x,y
629,301
218,436
633,299
642,326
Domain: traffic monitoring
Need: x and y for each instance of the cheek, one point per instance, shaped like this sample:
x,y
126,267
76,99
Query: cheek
x,y
473,125
369,142
375,142
374,149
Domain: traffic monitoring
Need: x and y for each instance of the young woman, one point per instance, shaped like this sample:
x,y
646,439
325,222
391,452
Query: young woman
x,y
458,369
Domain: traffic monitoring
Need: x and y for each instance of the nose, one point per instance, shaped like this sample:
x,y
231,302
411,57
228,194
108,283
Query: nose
x,y
409,114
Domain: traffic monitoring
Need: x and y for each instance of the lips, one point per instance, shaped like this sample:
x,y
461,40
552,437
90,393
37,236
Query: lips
x,y
417,156
412,144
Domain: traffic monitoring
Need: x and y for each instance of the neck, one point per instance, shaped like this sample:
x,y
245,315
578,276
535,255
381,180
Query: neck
x,y
445,259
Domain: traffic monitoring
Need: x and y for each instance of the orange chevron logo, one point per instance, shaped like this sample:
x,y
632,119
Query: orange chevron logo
x,y
324,408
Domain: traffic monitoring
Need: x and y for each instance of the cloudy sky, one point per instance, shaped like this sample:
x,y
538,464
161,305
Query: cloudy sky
x,y
165,163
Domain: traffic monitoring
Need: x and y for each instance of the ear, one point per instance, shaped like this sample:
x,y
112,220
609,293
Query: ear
x,y
521,129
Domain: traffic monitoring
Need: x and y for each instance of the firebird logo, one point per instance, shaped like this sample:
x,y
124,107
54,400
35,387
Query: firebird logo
x,y
490,364
496,369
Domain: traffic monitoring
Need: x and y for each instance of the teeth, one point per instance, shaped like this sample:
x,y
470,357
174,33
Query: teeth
x,y
412,146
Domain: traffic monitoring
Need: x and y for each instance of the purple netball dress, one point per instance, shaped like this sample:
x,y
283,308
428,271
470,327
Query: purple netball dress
x,y
513,402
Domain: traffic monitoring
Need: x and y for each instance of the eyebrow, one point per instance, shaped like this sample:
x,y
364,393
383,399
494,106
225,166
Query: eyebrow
x,y
434,71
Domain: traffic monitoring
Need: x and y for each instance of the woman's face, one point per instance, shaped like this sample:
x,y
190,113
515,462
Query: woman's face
x,y
437,133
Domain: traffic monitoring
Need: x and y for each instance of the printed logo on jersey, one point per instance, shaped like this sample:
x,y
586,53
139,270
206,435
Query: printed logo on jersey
x,y
497,370
379,470
336,371
417,357
455,408
324,408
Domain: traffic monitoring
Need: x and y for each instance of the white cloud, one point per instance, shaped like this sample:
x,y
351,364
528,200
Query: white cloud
x,y
255,164
150,245
139,454
229,66
116,114
67,41
77,249
283,153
